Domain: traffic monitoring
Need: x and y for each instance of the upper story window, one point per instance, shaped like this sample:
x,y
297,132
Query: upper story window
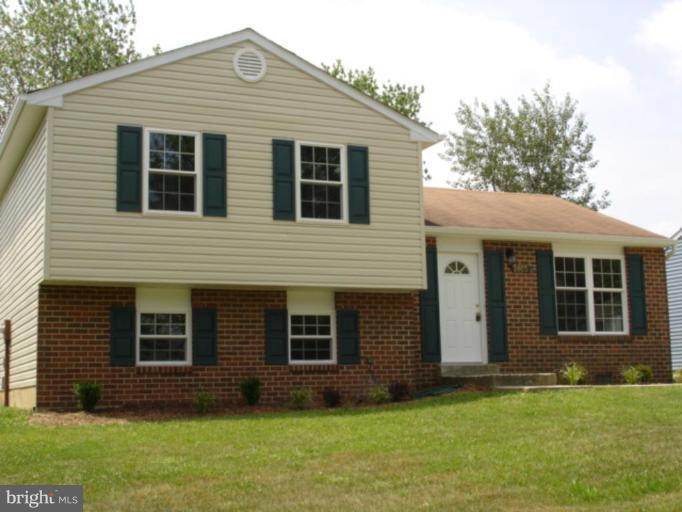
x,y
172,171
590,295
321,171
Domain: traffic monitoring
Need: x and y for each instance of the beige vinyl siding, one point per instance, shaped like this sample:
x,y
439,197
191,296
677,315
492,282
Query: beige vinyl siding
x,y
22,232
90,241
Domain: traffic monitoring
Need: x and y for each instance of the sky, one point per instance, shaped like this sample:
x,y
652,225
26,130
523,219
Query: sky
x,y
620,59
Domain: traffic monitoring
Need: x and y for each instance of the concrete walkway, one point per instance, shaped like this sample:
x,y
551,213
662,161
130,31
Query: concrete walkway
x,y
581,386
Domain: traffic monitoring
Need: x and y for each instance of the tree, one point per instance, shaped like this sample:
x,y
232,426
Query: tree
x,y
405,99
46,42
542,145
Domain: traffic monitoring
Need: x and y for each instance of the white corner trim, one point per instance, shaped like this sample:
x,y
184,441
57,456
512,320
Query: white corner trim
x,y
549,236
54,95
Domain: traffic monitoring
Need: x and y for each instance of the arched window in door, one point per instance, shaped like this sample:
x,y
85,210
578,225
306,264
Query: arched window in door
x,y
456,267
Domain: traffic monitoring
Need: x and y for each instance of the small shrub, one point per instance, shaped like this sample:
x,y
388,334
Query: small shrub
x,y
677,376
574,373
331,397
203,401
399,391
379,394
632,375
300,398
646,371
88,394
250,388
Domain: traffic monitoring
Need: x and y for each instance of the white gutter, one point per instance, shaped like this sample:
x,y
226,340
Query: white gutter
x,y
548,236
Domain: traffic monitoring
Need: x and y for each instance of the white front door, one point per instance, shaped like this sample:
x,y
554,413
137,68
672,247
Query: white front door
x,y
461,315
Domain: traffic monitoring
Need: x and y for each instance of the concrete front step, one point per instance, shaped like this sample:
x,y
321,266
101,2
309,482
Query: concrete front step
x,y
466,370
504,380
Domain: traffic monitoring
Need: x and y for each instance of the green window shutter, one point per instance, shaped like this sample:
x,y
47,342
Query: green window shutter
x,y
215,174
129,169
283,180
430,315
276,336
546,292
637,295
204,337
348,336
122,332
496,306
358,185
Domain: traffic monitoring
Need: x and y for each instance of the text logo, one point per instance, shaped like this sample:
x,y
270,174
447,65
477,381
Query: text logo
x,y
52,498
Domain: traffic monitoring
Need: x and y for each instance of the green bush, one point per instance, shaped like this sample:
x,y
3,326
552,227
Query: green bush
x,y
300,398
250,388
379,394
632,375
399,391
574,373
677,376
203,401
331,397
646,371
88,394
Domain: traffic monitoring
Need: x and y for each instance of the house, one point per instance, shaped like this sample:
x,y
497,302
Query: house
x,y
227,209
674,275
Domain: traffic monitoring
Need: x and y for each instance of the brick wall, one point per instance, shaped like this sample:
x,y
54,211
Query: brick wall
x,y
74,345
601,355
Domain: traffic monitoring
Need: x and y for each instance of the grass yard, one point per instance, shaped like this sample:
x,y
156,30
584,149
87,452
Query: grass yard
x,y
592,449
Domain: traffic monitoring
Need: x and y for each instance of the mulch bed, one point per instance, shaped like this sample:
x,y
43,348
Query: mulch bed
x,y
118,416
124,415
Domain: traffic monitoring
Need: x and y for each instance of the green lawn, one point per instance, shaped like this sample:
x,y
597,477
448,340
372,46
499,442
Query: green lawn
x,y
593,449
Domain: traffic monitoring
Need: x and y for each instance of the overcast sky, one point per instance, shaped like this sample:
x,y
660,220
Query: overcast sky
x,y
622,60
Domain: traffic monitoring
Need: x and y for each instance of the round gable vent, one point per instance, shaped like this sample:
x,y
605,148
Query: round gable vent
x,y
249,64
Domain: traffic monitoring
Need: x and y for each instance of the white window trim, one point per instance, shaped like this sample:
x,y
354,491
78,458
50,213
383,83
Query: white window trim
x,y
198,172
589,287
187,336
332,333
342,183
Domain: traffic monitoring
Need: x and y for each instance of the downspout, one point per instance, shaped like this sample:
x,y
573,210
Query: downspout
x,y
8,342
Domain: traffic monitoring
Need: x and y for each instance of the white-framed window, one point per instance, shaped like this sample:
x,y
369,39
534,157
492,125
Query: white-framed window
x,y
321,182
172,172
164,326
312,327
591,294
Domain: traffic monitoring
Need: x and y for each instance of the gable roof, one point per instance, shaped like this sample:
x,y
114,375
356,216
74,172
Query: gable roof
x,y
22,121
533,216
53,96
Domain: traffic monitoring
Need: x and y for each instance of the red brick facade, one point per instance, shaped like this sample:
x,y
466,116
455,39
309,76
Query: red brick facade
x,y
603,356
74,337
74,345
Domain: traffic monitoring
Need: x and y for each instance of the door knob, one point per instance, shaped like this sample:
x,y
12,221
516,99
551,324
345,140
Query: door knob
x,y
478,316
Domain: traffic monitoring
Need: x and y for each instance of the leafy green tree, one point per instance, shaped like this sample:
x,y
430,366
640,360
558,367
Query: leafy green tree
x,y
46,42
406,99
541,145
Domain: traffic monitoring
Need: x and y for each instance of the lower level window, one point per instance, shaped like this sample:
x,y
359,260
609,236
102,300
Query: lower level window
x,y
590,295
311,338
163,337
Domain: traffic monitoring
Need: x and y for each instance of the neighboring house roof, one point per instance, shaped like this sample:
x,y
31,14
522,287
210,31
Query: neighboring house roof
x,y
524,215
53,96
